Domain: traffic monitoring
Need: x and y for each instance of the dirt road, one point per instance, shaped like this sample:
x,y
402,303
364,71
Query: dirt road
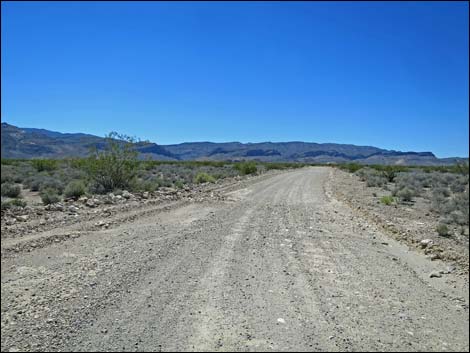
x,y
278,266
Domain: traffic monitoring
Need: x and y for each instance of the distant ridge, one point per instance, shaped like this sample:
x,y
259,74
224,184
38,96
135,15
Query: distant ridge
x,y
40,143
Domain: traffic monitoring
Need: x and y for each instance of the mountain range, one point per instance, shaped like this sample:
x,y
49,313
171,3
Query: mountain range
x,y
40,143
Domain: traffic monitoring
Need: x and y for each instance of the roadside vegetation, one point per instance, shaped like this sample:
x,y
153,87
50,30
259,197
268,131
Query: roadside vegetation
x,y
446,188
113,168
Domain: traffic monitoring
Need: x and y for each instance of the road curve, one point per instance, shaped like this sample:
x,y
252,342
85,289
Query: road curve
x,y
280,266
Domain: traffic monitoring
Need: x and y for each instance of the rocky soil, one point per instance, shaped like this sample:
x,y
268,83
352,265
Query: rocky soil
x,y
37,225
413,224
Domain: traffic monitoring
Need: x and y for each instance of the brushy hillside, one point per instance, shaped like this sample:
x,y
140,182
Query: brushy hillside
x,y
39,143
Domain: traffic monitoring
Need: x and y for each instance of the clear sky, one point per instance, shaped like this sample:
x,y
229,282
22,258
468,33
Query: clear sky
x,y
393,75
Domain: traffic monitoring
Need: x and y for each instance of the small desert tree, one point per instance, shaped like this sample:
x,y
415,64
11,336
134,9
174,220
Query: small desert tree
x,y
114,166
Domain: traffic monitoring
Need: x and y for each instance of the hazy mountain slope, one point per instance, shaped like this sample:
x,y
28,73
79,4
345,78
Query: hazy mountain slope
x,y
40,143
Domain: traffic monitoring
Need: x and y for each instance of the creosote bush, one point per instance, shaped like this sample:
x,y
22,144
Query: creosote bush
x,y
246,167
372,177
114,167
179,184
443,230
75,189
406,194
49,196
204,178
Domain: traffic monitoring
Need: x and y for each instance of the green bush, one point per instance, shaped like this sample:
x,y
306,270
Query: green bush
x,y
282,165
443,230
179,184
74,189
387,200
145,185
114,167
13,203
246,167
44,164
351,167
204,178
49,196
10,190
390,173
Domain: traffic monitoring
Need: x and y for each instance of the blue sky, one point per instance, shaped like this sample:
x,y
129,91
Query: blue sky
x,y
392,75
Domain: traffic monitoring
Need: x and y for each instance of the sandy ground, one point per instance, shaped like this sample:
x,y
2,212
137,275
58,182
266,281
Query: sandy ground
x,y
277,264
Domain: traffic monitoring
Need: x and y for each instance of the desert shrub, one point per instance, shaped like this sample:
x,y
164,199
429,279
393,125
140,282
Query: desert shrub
x,y
390,175
7,161
461,168
49,196
145,185
445,192
408,184
43,181
7,177
459,184
10,190
389,171
12,174
372,177
34,182
351,167
406,194
116,165
438,201
282,165
52,183
204,178
179,184
443,230
13,203
458,217
44,164
5,205
375,181
387,200
75,189
246,167
460,208
77,163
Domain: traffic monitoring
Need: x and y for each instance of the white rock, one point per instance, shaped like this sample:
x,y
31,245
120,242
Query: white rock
x,y
10,221
73,209
425,243
90,203
23,218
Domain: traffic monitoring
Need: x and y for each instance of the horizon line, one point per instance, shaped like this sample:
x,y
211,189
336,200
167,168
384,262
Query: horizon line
x,y
248,142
